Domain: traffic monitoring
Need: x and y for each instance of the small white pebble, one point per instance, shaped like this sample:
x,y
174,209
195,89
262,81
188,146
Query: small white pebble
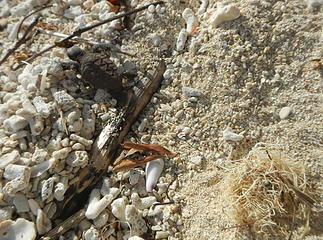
x,y
285,112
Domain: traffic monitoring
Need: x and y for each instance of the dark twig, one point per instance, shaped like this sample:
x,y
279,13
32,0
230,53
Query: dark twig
x,y
37,10
78,32
21,41
171,201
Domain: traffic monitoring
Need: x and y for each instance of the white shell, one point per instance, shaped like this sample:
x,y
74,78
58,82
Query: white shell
x,y
153,171
19,229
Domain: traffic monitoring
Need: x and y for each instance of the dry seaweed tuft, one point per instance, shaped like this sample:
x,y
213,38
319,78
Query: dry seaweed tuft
x,y
260,191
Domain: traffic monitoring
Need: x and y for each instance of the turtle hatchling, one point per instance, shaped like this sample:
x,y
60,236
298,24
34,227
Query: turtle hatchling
x,y
97,69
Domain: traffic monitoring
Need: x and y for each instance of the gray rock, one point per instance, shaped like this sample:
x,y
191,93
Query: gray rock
x,y
21,203
64,100
191,92
9,158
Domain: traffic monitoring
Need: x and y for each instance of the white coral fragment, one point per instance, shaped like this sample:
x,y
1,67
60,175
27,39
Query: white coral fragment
x,y
191,22
224,13
19,229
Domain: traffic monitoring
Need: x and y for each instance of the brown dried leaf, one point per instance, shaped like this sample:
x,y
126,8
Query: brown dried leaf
x,y
128,164
154,148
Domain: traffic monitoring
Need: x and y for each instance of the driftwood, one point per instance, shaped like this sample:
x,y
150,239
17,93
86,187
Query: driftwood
x,y
104,149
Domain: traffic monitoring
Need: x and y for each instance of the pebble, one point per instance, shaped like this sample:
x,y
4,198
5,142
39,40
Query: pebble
x,y
118,208
181,40
43,223
191,21
162,235
224,13
228,135
13,171
6,213
285,112
41,107
47,188
17,230
191,92
15,123
92,234
12,187
142,203
134,218
81,140
102,219
197,160
134,176
314,3
34,206
64,100
21,203
9,158
77,159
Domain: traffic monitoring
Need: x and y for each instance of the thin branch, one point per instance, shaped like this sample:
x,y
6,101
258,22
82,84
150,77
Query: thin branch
x,y
37,10
21,41
78,32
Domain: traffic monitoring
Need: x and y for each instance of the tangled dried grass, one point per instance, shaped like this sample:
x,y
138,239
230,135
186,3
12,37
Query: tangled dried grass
x,y
262,192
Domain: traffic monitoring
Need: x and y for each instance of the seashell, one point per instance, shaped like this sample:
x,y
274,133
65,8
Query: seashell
x,y
153,171
224,13
230,136
17,230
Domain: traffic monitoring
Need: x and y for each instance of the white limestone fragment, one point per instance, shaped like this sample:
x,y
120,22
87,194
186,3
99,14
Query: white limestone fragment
x,y
18,135
191,21
47,188
36,125
153,171
4,112
42,167
96,205
9,158
14,186
14,123
21,203
13,171
134,218
101,220
191,92
60,189
64,100
203,6
43,223
118,208
181,40
224,13
77,158
6,213
34,206
42,108
228,135
81,140
62,153
39,155
142,203
17,230
92,234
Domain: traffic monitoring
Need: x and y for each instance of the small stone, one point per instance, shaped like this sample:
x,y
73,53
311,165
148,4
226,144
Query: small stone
x,y
191,92
134,218
42,108
47,188
21,203
77,158
6,213
118,208
168,74
43,223
181,40
285,112
15,123
13,171
39,155
145,138
92,234
17,230
191,21
196,160
224,13
34,206
9,158
101,220
162,235
64,100
14,186
134,176
228,135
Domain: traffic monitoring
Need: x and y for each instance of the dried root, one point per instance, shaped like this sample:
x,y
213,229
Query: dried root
x,y
266,193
